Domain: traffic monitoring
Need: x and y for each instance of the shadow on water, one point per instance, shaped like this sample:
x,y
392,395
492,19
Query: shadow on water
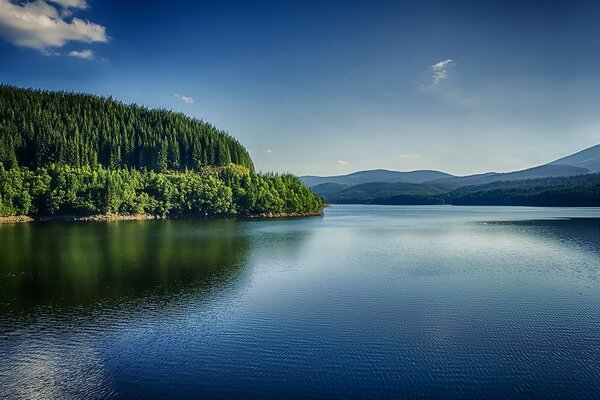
x,y
65,265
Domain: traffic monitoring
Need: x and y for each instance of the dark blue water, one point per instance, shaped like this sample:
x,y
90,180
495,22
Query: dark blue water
x,y
367,301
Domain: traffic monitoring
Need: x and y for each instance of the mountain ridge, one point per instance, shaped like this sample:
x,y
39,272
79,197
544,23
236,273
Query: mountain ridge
x,y
557,183
579,163
377,175
587,158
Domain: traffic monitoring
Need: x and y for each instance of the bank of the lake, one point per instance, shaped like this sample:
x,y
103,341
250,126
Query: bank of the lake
x,y
18,219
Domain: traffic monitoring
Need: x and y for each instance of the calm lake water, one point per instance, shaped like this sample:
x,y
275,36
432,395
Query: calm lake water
x,y
367,301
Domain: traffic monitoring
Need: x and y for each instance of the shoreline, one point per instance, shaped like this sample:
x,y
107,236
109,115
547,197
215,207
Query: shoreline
x,y
19,219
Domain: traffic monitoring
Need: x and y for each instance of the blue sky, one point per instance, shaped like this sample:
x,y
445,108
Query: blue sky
x,y
333,87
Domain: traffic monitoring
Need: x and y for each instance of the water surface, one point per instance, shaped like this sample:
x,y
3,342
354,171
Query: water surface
x,y
367,301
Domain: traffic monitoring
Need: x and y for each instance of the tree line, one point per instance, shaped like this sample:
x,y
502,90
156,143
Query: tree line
x,y
231,190
538,196
559,196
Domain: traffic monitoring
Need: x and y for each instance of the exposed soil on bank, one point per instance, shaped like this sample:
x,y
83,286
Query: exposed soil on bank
x,y
16,219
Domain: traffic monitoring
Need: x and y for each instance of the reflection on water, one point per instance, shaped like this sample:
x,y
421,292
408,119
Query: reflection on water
x,y
81,263
583,232
368,301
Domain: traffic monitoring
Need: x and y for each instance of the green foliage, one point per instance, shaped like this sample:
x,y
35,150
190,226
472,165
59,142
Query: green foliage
x,y
64,153
38,128
229,190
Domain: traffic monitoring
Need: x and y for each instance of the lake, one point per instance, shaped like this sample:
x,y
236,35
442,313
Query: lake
x,y
366,301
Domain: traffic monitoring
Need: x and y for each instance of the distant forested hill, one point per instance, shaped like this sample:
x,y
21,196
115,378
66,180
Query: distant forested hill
x,y
376,175
38,128
581,190
588,158
380,192
572,191
569,181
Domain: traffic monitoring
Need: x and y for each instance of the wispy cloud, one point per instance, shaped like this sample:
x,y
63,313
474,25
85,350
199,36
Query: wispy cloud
x,y
440,71
85,54
71,3
185,99
43,26
68,4
343,162
268,151
408,156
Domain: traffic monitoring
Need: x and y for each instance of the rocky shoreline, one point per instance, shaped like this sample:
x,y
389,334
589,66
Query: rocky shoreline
x,y
17,219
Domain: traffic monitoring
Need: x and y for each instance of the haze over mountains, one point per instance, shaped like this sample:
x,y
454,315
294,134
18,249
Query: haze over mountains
x,y
435,187
376,175
588,158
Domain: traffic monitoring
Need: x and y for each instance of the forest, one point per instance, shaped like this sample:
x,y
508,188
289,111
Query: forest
x,y
76,154
38,128
567,191
540,196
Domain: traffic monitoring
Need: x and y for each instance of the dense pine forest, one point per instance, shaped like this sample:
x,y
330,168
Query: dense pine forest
x,y
63,153
40,127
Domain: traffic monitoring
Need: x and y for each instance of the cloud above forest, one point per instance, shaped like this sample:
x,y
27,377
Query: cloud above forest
x,y
185,99
440,70
408,156
45,25
85,54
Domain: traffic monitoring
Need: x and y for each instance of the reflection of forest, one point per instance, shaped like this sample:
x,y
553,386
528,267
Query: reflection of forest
x,y
71,264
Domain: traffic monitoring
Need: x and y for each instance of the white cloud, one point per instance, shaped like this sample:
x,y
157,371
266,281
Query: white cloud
x,y
42,26
85,54
343,162
408,156
439,70
71,3
185,99
441,64
268,151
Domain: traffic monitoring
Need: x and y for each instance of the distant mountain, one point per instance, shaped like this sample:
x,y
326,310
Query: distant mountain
x,y
570,191
550,184
578,180
583,162
376,175
543,171
588,158
327,190
375,192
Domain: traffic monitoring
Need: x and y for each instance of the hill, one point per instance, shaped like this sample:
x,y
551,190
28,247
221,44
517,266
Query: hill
x,y
543,171
376,175
415,187
65,154
38,128
376,192
579,180
581,190
584,162
588,158
573,191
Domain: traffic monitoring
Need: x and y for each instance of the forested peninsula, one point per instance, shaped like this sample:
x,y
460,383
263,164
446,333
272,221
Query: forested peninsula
x,y
76,155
